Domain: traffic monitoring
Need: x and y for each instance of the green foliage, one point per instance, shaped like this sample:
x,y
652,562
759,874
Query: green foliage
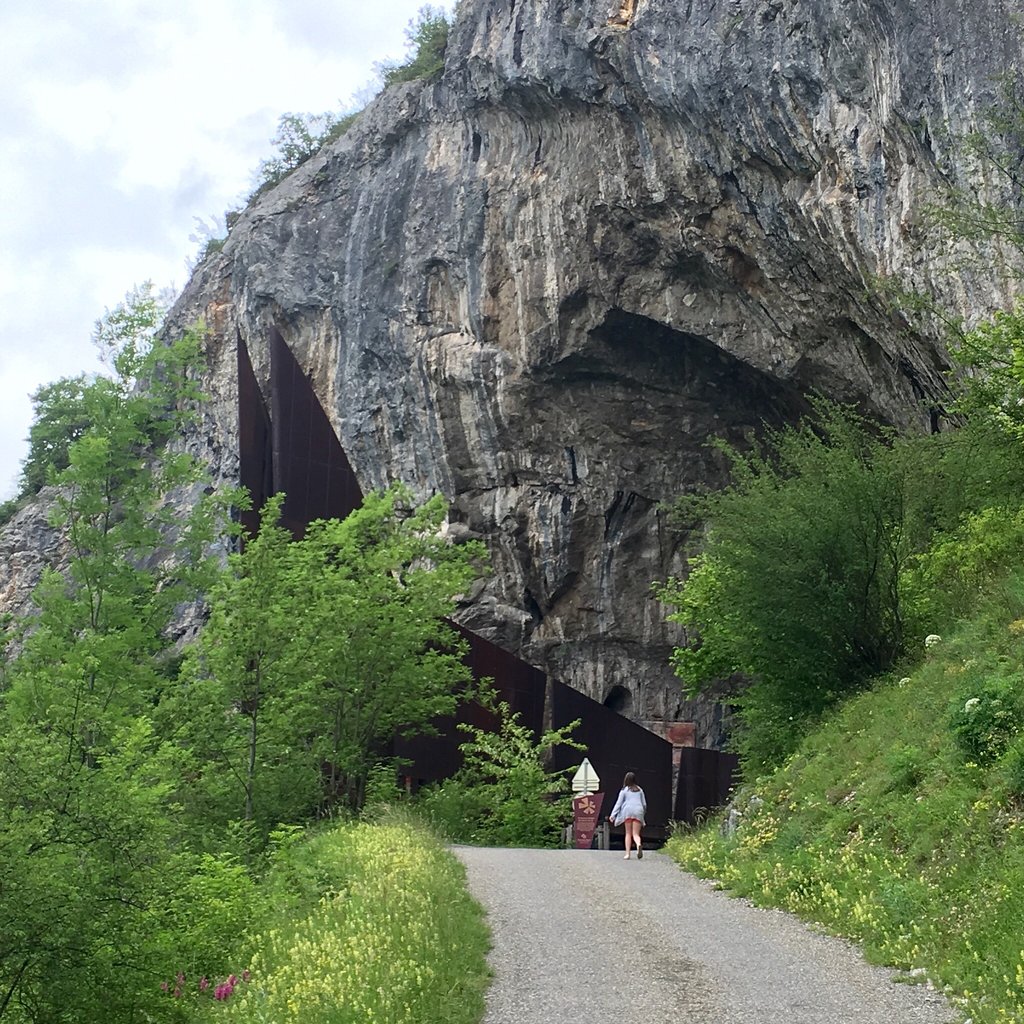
x,y
298,137
986,716
798,585
1012,771
833,553
317,652
993,357
92,859
960,567
427,40
900,827
503,795
64,410
60,416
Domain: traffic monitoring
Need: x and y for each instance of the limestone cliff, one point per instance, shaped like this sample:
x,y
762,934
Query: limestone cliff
x,y
540,283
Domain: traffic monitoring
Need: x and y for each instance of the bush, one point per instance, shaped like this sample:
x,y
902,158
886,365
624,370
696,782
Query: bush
x,y
503,795
427,40
948,580
298,137
986,717
798,585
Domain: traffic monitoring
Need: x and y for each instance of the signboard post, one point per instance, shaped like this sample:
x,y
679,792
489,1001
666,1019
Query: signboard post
x,y
587,806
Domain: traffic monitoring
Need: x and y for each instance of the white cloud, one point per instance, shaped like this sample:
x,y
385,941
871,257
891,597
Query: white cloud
x,y
122,122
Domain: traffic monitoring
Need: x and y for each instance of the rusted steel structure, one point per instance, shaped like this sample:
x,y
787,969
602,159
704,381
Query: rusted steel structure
x,y
706,778
292,447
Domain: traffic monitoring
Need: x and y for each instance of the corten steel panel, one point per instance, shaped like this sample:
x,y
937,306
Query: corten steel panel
x,y
520,685
255,455
706,778
615,745
310,465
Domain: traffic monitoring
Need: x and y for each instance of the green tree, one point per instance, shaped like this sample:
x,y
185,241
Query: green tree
x,y
318,651
504,794
60,417
383,579
798,587
426,43
299,137
65,409
243,673
91,847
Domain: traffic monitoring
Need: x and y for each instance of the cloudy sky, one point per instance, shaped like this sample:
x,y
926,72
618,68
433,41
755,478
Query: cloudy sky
x,y
127,126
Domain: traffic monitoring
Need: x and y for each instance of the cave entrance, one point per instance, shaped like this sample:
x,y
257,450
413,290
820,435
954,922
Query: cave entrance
x,y
619,700
289,444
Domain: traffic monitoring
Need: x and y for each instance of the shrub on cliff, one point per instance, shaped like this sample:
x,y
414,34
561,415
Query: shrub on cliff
x,y
427,40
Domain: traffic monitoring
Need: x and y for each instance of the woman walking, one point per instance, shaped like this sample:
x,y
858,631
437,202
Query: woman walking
x,y
630,810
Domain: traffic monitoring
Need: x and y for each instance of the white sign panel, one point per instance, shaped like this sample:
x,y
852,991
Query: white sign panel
x,y
585,780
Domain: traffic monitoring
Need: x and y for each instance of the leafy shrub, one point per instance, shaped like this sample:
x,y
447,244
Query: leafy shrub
x,y
453,808
298,137
427,40
986,718
960,567
798,585
503,795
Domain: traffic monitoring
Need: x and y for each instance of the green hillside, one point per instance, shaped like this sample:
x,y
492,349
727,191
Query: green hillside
x,y
899,821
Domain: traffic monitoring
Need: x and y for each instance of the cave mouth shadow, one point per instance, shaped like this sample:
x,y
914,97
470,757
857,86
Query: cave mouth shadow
x,y
620,700
661,357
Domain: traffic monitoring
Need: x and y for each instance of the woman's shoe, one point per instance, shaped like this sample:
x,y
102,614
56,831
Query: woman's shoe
x,y
639,853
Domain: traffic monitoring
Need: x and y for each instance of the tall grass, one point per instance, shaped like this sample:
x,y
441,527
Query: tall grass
x,y
889,829
373,925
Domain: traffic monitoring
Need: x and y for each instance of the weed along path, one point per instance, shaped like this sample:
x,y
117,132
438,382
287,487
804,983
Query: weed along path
x,y
585,937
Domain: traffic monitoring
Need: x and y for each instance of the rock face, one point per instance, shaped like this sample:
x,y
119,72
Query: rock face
x,y
539,284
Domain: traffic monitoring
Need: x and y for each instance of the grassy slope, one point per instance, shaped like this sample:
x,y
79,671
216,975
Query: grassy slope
x,y
883,830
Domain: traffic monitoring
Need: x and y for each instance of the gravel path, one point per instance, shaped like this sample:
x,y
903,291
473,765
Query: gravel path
x,y
585,937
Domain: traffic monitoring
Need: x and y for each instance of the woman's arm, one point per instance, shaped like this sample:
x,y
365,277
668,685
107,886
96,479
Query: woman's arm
x,y
613,816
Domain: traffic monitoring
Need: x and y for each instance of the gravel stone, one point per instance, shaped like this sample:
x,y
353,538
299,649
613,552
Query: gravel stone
x,y
585,936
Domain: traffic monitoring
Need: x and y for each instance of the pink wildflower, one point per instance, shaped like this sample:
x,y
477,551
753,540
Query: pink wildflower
x,y
204,984
163,986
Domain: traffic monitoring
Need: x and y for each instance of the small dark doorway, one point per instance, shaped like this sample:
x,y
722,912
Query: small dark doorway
x,y
619,699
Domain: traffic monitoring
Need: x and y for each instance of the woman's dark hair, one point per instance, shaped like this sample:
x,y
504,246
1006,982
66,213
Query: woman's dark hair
x,y
629,780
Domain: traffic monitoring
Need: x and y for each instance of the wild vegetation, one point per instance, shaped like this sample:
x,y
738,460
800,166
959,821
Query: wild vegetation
x,y
141,780
364,923
503,795
884,769
301,136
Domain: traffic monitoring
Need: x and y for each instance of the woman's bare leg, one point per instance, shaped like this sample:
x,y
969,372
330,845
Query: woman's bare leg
x,y
629,837
636,839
